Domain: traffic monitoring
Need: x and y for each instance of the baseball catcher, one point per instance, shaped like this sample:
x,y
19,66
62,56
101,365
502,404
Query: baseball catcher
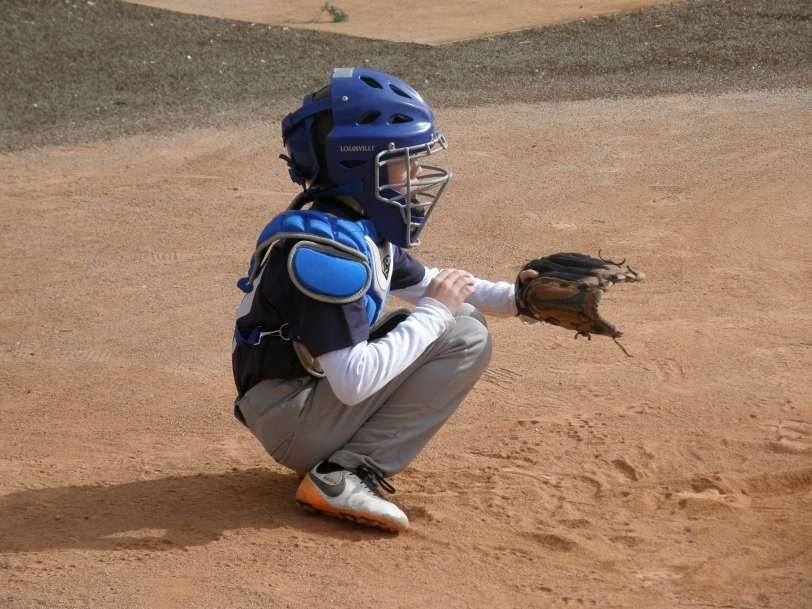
x,y
333,384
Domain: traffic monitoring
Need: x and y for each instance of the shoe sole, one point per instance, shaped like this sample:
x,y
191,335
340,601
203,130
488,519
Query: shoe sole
x,y
313,502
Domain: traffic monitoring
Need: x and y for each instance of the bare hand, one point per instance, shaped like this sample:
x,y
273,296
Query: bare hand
x,y
451,287
524,277
527,275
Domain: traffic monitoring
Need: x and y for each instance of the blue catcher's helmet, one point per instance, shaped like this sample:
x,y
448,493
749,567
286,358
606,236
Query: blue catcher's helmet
x,y
377,120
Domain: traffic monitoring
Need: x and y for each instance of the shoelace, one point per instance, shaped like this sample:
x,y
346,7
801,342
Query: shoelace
x,y
373,479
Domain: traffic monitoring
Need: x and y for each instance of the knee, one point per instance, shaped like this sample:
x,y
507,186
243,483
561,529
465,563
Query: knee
x,y
469,310
478,339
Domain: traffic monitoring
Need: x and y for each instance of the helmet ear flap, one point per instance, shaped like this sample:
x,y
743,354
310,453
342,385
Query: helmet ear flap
x,y
303,162
320,128
305,159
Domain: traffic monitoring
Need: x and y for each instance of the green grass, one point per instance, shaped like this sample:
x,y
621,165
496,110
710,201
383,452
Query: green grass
x,y
335,13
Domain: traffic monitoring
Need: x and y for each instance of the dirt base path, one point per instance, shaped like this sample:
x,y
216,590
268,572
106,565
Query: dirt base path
x,y
571,476
419,21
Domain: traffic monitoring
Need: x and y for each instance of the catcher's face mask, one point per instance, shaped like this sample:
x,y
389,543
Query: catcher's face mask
x,y
403,181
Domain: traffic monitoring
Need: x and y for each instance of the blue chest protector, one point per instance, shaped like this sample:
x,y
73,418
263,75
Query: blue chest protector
x,y
334,260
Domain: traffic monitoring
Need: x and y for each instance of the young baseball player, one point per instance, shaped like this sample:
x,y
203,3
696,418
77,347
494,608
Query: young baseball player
x,y
330,384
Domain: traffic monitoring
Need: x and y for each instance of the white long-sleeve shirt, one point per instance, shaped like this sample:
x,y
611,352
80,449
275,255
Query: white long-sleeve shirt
x,y
357,372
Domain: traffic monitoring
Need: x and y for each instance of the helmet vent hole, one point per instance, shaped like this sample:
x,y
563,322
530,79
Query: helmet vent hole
x,y
351,164
368,118
400,91
372,82
400,118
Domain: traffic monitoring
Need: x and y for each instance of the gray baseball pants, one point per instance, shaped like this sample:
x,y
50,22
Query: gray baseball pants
x,y
300,422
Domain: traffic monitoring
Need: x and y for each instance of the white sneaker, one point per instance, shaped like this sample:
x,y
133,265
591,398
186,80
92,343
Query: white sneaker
x,y
350,495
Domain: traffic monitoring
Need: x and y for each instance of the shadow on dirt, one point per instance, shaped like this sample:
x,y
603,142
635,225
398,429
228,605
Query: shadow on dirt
x,y
159,515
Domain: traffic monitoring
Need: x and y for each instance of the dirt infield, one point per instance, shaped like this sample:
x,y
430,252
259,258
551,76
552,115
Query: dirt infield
x,y
572,476
419,21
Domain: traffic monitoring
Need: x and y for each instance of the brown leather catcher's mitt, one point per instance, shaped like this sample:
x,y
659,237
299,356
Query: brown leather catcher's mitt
x,y
568,290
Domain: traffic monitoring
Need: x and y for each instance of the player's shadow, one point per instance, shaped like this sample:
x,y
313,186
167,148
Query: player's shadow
x,y
162,514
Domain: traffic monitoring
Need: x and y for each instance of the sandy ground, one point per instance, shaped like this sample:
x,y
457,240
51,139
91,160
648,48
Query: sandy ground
x,y
571,476
418,21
